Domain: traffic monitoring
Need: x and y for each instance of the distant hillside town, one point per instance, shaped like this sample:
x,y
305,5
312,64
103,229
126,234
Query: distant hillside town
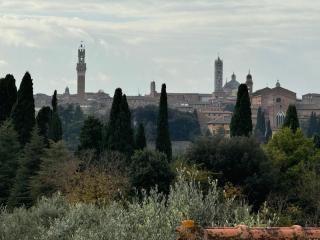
x,y
214,110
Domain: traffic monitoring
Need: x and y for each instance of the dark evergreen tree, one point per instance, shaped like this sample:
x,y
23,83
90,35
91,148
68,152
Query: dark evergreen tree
x,y
23,114
126,131
8,96
91,135
241,122
140,140
112,131
312,125
9,154
316,140
163,142
291,120
43,121
260,127
268,134
28,167
55,126
149,169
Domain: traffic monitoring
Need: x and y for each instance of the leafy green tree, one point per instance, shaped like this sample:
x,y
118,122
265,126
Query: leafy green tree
x,y
241,122
29,164
140,140
291,120
91,135
8,96
9,154
55,126
163,142
295,161
149,169
312,125
23,114
268,134
43,121
238,160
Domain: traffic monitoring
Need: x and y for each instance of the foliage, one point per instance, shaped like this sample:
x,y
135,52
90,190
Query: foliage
x,y
149,169
291,120
56,170
140,138
241,122
29,164
119,132
91,135
23,113
151,218
72,119
313,125
43,120
9,154
268,132
55,127
295,162
8,96
163,142
183,126
260,128
238,160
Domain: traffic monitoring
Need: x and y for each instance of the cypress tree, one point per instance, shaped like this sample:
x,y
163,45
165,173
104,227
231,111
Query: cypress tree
x,y
9,154
268,134
29,164
312,125
241,122
163,142
91,135
291,120
55,126
43,121
23,114
126,131
8,96
260,127
140,140
112,131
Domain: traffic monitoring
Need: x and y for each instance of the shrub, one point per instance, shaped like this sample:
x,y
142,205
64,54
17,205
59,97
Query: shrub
x,y
154,217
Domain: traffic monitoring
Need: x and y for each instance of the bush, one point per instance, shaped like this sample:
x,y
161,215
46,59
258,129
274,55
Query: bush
x,y
153,217
149,169
238,160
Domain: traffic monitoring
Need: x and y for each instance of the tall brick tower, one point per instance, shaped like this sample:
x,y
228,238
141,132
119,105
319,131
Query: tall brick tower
x,y
218,78
81,71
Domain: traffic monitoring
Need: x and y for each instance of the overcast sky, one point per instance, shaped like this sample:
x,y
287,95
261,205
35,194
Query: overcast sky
x,y
132,42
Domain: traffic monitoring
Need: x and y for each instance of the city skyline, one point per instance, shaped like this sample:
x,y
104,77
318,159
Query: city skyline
x,y
131,43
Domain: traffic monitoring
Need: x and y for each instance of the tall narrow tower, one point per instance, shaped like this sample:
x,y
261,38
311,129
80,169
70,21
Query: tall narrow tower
x,y
218,75
81,71
249,82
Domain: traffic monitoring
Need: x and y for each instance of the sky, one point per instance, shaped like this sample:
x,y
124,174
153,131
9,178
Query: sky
x,y
129,43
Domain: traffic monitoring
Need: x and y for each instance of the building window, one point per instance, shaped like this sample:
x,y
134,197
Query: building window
x,y
278,100
280,118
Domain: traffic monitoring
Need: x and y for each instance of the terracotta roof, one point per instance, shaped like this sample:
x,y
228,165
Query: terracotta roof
x,y
189,231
